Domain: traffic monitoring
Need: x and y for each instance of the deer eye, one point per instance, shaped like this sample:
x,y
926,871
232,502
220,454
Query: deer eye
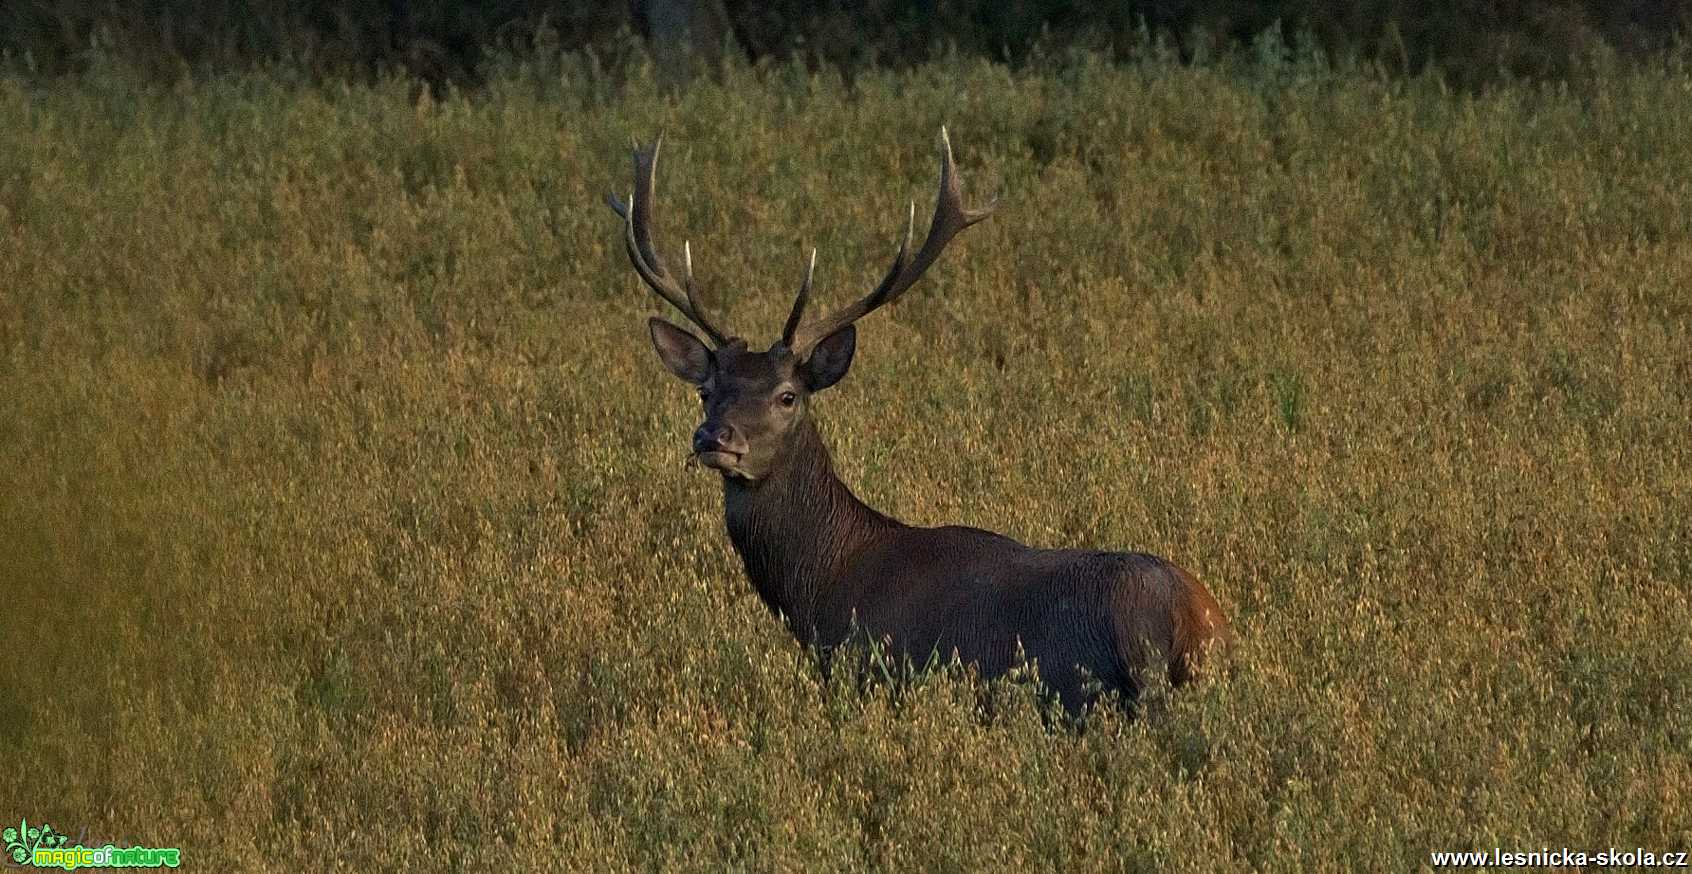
x,y
788,399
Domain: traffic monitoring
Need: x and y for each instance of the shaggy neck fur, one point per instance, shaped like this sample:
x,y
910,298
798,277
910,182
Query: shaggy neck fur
x,y
796,528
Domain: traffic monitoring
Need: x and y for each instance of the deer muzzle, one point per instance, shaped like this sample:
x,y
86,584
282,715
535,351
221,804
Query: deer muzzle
x,y
718,446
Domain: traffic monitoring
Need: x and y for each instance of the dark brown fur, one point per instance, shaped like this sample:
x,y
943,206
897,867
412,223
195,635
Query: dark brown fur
x,y
832,566
840,572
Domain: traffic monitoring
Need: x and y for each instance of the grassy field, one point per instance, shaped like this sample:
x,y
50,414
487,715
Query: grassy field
x,y
344,518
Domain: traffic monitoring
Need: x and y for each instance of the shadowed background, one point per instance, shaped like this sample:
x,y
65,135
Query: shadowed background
x,y
1470,42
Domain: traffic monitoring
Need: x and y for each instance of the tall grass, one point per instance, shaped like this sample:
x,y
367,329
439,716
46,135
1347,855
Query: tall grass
x,y
344,517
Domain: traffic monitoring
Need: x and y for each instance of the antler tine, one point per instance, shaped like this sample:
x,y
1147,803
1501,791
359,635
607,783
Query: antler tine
x,y
693,303
950,217
637,232
798,313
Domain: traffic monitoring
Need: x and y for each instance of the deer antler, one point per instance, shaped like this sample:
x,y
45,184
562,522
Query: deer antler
x,y
798,311
637,225
950,217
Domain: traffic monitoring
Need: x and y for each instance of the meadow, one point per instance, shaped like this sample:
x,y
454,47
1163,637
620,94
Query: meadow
x,y
345,521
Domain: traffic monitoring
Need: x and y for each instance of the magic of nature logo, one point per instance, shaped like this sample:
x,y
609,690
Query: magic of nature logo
x,y
40,846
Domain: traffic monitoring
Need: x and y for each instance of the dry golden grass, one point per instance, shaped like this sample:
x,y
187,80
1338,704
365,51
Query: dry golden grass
x,y
343,519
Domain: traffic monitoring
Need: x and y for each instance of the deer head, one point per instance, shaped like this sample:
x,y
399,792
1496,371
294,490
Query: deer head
x,y
755,402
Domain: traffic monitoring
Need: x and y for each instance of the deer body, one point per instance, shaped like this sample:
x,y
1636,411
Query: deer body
x,y
840,572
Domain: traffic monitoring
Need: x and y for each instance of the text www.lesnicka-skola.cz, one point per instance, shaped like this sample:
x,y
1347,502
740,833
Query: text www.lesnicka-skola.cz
x,y
1564,858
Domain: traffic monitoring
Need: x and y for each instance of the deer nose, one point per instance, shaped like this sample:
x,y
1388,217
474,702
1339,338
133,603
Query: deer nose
x,y
712,437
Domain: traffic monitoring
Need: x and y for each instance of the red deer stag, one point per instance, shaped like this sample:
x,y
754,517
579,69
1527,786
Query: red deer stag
x,y
835,568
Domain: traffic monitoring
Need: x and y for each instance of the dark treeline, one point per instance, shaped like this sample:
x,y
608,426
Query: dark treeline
x,y
1470,41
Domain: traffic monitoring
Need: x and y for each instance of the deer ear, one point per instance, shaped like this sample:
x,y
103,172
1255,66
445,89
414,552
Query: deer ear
x,y
681,352
831,359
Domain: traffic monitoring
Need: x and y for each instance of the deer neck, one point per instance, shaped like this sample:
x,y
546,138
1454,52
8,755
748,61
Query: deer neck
x,y
797,528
